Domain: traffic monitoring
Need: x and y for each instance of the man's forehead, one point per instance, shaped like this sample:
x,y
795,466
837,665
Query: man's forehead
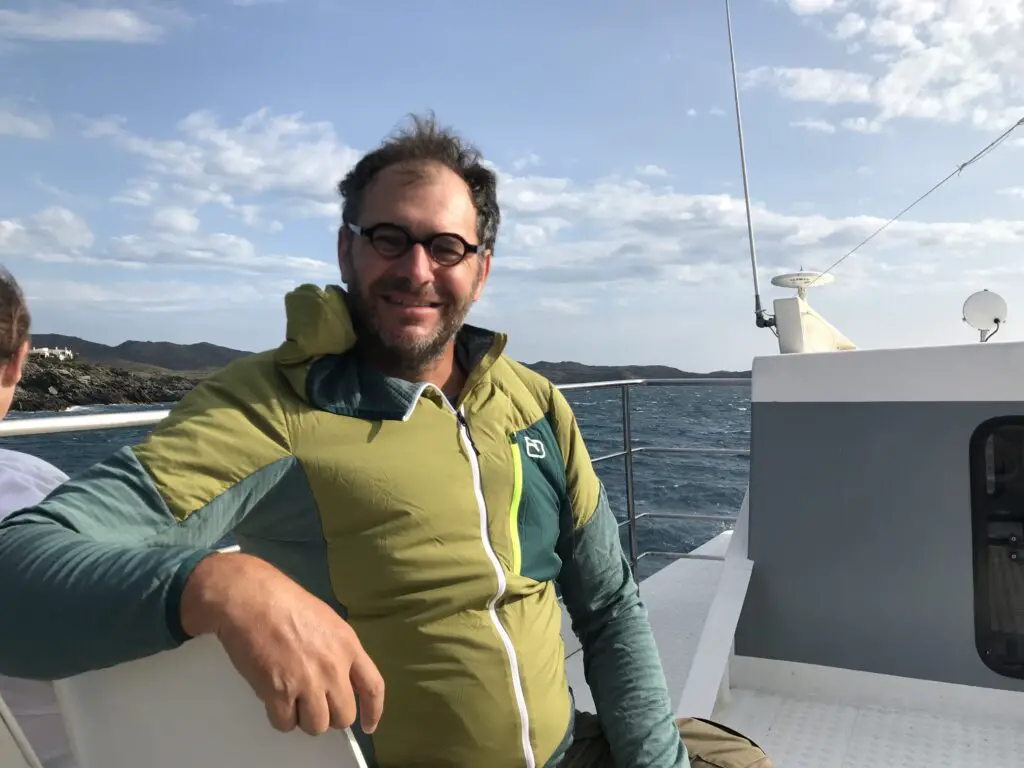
x,y
414,173
401,188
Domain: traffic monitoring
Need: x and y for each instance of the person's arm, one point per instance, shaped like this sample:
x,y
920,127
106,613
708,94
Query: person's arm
x,y
25,480
93,575
620,658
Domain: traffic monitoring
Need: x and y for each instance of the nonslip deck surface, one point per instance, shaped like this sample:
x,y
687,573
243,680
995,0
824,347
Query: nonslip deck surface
x,y
800,733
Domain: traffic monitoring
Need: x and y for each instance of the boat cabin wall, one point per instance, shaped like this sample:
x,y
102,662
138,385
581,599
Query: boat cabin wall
x,y
886,513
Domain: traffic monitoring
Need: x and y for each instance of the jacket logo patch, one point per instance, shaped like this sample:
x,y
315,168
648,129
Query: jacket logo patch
x,y
534,448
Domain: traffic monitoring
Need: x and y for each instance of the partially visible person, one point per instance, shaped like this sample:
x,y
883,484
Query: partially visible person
x,y
24,482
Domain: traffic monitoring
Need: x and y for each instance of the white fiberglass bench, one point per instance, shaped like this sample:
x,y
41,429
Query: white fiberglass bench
x,y
186,707
15,751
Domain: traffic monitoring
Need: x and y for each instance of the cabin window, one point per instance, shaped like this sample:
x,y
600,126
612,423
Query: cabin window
x,y
997,521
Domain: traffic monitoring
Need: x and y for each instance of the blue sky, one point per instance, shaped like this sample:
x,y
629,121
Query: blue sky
x,y
168,167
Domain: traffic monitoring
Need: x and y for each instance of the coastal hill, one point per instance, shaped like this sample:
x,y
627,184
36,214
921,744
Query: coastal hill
x,y
569,372
143,354
145,372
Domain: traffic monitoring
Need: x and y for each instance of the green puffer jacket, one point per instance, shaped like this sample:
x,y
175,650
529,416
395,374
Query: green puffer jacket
x,y
438,531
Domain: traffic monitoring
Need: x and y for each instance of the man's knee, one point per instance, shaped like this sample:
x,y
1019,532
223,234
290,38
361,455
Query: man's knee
x,y
711,745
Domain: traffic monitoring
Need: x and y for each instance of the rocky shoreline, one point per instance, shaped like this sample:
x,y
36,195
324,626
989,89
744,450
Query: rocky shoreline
x,y
51,385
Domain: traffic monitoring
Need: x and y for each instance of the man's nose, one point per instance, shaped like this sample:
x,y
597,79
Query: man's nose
x,y
416,265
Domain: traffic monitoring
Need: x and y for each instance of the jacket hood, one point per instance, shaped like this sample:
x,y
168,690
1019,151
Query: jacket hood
x,y
318,323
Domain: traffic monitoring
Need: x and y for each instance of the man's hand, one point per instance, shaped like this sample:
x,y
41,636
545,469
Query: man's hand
x,y
303,660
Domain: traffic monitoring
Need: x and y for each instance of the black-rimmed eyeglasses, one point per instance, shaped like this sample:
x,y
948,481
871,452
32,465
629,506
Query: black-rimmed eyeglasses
x,y
392,241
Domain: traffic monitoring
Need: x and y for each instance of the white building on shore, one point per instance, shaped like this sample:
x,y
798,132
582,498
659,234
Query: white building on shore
x,y
50,352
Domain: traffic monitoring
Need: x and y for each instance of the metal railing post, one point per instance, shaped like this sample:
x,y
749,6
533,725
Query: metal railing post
x,y
627,448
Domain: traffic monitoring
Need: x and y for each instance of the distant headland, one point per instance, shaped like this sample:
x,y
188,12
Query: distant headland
x,y
147,372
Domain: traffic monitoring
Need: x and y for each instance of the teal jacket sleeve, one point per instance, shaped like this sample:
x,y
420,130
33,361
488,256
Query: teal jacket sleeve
x,y
620,658
92,576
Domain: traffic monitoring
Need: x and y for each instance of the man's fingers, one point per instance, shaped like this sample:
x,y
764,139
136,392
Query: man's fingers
x,y
343,706
281,713
314,714
369,687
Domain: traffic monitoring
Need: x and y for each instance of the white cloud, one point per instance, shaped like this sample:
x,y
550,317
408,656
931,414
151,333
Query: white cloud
x,y
887,33
265,156
651,170
565,306
252,215
541,230
51,189
144,296
1013,191
188,250
820,126
571,245
562,236
532,159
855,124
58,235
138,192
14,122
862,125
311,209
626,232
807,7
174,219
52,234
69,23
828,86
953,62
850,25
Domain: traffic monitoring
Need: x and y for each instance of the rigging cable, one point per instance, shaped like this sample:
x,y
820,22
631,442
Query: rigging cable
x,y
959,169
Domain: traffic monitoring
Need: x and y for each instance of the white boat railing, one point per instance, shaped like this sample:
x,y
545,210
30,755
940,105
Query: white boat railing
x,y
94,421
87,422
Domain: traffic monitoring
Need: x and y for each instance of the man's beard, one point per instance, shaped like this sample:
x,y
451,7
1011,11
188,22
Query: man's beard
x,y
396,356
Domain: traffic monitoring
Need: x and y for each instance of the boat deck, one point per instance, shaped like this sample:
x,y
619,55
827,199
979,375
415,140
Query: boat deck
x,y
807,716
814,734
815,717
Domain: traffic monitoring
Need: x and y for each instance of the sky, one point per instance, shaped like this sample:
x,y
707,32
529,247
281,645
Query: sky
x,y
168,167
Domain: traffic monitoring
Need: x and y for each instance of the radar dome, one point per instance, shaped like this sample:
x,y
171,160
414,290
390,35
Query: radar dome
x,y
985,311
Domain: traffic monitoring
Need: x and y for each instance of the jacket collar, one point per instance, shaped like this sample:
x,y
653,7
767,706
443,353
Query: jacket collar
x,y
319,361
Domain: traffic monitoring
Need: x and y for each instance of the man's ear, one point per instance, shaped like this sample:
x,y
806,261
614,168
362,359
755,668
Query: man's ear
x,y
344,246
485,271
10,374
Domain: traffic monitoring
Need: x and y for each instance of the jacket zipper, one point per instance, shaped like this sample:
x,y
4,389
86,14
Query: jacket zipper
x,y
506,640
513,511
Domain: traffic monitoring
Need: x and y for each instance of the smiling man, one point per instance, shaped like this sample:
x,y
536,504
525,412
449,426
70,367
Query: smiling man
x,y
407,311
406,498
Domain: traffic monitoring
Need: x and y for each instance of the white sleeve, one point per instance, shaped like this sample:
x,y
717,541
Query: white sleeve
x,y
25,481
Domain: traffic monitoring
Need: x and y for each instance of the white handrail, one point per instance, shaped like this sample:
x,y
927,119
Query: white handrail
x,y
45,425
52,424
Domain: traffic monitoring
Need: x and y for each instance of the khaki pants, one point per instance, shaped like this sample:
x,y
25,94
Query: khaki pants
x,y
709,746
